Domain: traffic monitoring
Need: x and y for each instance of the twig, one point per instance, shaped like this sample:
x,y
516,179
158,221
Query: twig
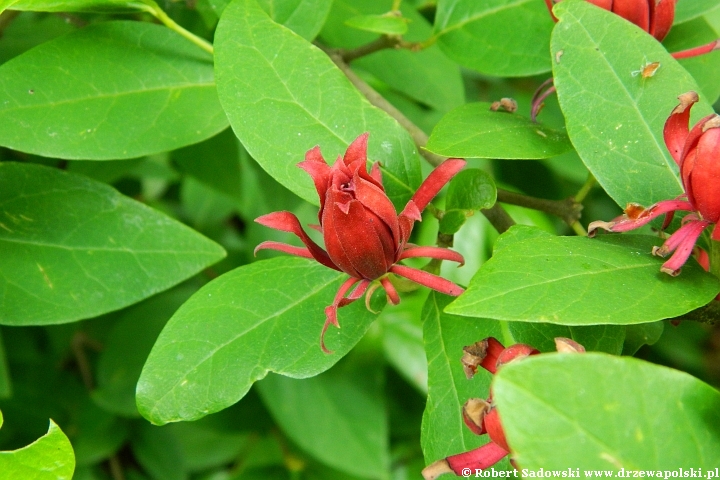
x,y
498,217
385,41
115,468
568,210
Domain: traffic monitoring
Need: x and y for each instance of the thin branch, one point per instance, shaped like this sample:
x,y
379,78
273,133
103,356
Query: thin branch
x,y
498,217
115,468
568,210
385,41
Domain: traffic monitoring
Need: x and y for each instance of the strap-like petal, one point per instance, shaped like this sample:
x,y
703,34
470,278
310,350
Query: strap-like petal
x,y
626,223
331,310
287,222
428,279
433,252
436,181
676,126
285,248
662,14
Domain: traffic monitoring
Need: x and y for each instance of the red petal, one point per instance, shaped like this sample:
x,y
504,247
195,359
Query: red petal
x,y
677,238
436,181
316,167
358,292
287,222
625,224
375,172
390,291
705,175
357,151
428,279
684,249
406,220
676,127
284,247
375,199
604,4
331,310
433,252
474,412
515,352
495,430
352,240
635,11
482,458
662,14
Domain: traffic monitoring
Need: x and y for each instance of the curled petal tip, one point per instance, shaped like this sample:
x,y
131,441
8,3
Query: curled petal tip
x,y
687,99
434,470
593,227
713,122
568,345
670,271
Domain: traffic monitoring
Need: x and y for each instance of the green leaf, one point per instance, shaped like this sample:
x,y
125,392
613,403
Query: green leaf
x,y
600,338
128,346
443,430
48,458
583,281
384,24
75,248
427,76
95,434
283,96
687,10
595,411
304,17
100,6
204,447
339,417
465,28
705,69
151,91
644,334
266,316
471,189
475,131
614,115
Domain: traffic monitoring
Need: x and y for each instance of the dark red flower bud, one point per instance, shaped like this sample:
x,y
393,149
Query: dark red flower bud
x,y
483,353
515,352
654,16
363,234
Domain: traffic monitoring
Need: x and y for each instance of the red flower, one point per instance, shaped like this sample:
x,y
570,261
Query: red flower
x,y
481,416
697,153
654,16
363,234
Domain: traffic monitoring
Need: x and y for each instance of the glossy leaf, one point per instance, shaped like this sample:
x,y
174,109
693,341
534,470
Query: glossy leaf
x,y
470,190
151,91
614,115
705,69
427,76
686,10
644,334
261,317
443,430
583,281
48,458
158,451
475,131
384,24
304,17
339,417
101,6
66,237
465,30
599,338
594,411
283,76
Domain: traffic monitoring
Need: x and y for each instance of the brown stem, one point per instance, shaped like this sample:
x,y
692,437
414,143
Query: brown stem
x,y
385,41
498,217
115,468
568,210
697,51
77,345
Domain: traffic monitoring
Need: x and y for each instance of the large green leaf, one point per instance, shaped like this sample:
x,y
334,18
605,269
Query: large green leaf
x,y
304,17
261,317
48,458
496,37
443,430
74,248
583,281
427,76
614,115
595,411
339,417
111,90
283,96
475,131
688,9
113,6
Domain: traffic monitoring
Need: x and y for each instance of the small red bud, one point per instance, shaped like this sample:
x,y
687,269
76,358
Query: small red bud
x,y
474,412
515,352
483,353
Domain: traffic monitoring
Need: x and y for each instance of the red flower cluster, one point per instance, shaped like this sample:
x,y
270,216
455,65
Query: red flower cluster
x,y
480,415
654,16
697,153
363,234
